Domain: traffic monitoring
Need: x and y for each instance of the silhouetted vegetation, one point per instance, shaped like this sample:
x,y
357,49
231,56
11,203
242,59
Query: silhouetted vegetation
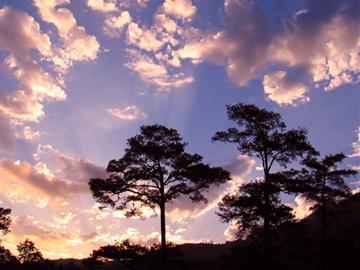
x,y
156,169
263,135
5,220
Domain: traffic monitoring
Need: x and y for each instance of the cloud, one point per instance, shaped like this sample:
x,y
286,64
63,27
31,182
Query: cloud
x,y
78,170
180,9
19,35
129,113
29,134
37,182
241,47
182,209
284,90
356,145
114,25
231,231
7,138
302,207
251,43
104,6
157,73
143,38
77,44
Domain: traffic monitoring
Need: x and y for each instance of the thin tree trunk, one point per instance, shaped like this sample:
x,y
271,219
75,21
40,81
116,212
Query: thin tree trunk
x,y
324,228
163,227
266,216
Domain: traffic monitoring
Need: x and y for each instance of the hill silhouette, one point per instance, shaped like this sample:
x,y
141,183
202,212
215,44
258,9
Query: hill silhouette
x,y
296,246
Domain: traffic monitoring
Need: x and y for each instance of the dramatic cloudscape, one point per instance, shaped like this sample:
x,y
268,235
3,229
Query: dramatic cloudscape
x,y
78,78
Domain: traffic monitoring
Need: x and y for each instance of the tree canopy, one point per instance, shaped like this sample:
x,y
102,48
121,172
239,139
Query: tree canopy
x,y
262,135
5,220
28,253
155,170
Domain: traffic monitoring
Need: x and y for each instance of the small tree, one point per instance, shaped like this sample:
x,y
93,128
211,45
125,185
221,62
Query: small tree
x,y
247,208
123,252
264,136
322,182
28,253
155,170
5,220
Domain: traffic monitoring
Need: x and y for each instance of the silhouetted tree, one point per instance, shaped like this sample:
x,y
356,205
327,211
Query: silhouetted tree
x,y
7,259
247,208
322,182
264,136
123,252
155,170
5,220
28,253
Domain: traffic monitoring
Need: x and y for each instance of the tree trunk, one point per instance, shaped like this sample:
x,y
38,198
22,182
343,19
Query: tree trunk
x,y
266,216
324,227
163,226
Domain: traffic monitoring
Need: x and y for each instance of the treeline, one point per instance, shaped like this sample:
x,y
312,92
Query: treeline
x,y
156,169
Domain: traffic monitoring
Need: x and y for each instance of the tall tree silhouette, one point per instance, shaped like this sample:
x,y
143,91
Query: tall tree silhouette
x,y
322,182
155,170
28,253
5,220
263,136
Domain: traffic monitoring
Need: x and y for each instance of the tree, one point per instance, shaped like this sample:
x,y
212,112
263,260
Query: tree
x,y
321,182
263,136
155,170
5,220
123,252
7,258
247,208
28,253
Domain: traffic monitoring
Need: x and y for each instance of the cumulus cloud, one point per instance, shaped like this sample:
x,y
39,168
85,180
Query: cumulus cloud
x,y
67,167
284,90
231,232
302,207
130,113
114,25
181,9
248,45
156,73
104,6
143,38
77,45
29,134
356,145
20,34
37,182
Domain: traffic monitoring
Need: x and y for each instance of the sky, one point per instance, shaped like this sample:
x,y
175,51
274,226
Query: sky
x,y
79,77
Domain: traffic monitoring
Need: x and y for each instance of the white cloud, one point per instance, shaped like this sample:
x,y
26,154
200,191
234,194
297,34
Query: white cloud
x,y
356,145
181,9
143,38
20,34
156,73
129,113
114,25
77,44
248,46
29,134
104,6
284,90
302,207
